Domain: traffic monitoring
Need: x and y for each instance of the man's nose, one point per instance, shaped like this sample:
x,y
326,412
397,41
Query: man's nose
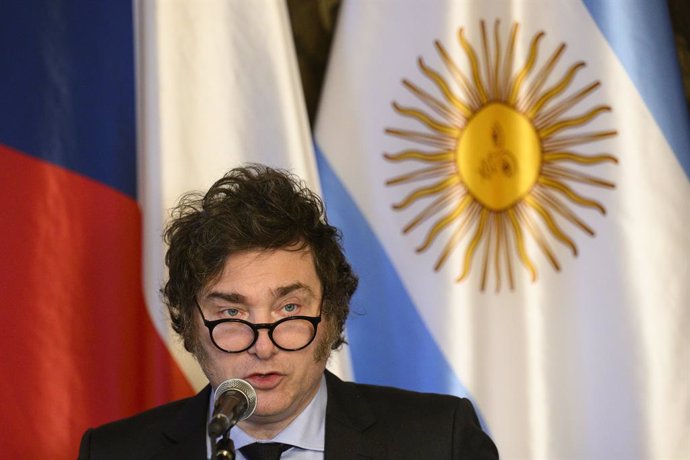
x,y
264,347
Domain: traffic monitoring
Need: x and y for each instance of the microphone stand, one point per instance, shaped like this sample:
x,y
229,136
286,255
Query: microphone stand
x,y
224,448
234,400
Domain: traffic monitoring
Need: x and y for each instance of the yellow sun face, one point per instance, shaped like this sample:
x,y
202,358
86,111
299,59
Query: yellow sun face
x,y
494,144
501,163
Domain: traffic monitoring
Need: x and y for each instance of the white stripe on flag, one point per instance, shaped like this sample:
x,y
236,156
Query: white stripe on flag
x,y
219,87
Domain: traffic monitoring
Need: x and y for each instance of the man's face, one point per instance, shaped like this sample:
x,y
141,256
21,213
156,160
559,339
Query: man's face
x,y
262,286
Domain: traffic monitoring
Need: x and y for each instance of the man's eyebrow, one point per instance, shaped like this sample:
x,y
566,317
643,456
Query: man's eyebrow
x,y
290,288
282,291
232,297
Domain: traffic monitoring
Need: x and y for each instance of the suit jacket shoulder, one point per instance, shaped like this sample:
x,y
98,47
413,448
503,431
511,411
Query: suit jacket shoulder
x,y
174,430
368,421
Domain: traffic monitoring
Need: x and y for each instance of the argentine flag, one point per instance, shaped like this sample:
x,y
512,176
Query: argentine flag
x,y
511,178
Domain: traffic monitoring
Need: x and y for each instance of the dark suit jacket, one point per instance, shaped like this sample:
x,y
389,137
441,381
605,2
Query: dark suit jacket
x,y
362,422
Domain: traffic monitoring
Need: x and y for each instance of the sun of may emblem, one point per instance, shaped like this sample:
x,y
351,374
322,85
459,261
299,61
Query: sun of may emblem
x,y
497,162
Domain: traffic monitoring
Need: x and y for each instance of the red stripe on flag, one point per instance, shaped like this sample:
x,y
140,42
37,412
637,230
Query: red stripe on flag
x,y
78,346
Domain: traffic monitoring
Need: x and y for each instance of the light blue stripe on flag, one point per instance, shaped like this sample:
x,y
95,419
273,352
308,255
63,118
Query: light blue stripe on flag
x,y
640,34
389,343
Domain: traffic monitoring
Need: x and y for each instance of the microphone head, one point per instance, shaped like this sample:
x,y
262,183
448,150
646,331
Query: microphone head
x,y
240,386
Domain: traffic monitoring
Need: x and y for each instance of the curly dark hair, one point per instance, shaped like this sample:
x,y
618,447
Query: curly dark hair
x,y
251,207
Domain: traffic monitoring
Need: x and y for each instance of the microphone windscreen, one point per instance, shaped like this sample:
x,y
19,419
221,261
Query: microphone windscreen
x,y
240,386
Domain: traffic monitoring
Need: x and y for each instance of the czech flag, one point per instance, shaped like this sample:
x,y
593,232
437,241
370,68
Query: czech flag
x,y
109,111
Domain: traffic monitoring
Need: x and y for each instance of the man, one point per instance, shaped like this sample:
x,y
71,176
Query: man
x,y
259,290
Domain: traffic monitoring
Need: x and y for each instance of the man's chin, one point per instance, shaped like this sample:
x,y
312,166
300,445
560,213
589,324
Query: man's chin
x,y
266,413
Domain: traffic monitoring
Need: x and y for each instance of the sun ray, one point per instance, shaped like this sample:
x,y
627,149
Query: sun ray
x,y
508,252
568,192
526,69
539,80
474,65
444,221
558,206
579,158
498,219
487,251
472,246
426,191
579,139
427,157
443,86
488,68
508,62
420,174
434,207
560,172
549,131
460,78
555,90
463,227
550,222
452,113
538,236
545,117
495,88
438,141
520,244
447,130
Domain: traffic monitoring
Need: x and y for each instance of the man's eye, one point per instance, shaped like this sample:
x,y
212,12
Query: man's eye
x,y
230,312
290,308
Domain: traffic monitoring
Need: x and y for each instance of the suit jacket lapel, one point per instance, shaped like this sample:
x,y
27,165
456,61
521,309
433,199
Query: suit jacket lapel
x,y
185,435
348,416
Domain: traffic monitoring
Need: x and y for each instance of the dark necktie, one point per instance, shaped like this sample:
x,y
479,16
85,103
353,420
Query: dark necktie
x,y
264,450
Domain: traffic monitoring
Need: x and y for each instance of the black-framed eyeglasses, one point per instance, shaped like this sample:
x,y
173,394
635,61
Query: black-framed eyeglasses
x,y
237,335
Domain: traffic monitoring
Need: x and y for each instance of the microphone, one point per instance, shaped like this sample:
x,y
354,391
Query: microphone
x,y
235,400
